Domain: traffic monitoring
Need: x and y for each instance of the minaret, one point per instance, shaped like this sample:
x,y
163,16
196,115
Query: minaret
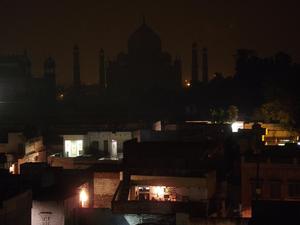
x,y
204,66
102,70
76,67
49,75
49,69
194,64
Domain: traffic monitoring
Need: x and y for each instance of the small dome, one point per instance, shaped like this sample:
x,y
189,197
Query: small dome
x,y
144,40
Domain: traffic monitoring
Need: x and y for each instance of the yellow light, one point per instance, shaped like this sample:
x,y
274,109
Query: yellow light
x,y
159,191
187,83
61,96
12,169
267,131
235,126
263,138
83,197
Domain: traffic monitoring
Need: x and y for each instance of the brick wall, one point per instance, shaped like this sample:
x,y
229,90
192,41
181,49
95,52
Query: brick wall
x,y
105,186
268,172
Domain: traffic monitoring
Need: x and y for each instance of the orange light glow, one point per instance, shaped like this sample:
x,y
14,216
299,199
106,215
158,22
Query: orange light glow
x,y
247,213
83,198
159,191
187,83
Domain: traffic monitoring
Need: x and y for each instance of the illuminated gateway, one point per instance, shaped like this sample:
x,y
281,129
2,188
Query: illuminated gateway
x,y
144,66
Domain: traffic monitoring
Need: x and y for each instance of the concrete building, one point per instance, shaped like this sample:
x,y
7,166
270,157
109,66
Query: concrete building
x,y
12,147
35,151
273,174
109,144
12,142
57,193
162,178
275,134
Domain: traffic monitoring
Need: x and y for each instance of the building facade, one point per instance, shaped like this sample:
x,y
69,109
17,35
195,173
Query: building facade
x,y
109,144
272,175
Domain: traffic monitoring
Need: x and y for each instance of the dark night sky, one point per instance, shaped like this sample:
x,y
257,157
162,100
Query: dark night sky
x,y
52,27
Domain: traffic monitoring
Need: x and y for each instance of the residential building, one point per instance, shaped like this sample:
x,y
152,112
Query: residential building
x,y
273,174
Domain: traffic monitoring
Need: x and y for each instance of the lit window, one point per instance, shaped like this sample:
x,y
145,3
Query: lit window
x,y
159,191
114,149
73,148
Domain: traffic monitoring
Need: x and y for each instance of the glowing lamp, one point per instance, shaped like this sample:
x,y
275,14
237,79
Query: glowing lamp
x,y
83,197
187,83
12,169
235,126
159,191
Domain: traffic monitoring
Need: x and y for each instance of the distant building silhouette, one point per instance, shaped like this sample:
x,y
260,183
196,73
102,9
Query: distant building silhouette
x,y
76,67
204,65
195,66
145,65
18,85
15,66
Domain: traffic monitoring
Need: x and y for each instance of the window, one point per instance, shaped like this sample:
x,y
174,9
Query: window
x,y
275,189
294,189
114,148
73,148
